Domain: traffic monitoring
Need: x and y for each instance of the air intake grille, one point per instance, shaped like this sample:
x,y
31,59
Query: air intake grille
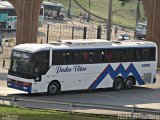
x,y
147,77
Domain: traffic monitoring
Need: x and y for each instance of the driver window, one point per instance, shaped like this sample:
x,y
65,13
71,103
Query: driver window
x,y
36,68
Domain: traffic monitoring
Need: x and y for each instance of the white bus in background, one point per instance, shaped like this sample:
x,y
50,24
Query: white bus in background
x,y
8,13
141,30
82,65
54,10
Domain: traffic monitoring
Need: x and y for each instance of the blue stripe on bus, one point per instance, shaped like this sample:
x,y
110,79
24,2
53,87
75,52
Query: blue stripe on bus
x,y
120,69
19,87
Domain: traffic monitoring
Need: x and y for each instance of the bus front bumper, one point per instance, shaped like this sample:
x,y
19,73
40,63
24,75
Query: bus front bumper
x,y
19,87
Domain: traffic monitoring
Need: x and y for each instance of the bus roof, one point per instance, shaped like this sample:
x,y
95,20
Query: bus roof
x,y
83,45
52,4
5,4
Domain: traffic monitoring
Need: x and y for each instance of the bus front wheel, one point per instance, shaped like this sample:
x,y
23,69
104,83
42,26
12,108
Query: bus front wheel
x,y
53,88
118,84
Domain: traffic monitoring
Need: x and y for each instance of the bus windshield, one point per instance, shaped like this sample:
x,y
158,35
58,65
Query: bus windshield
x,y
21,65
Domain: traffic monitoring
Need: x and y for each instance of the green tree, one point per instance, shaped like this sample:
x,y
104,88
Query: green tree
x,y
138,12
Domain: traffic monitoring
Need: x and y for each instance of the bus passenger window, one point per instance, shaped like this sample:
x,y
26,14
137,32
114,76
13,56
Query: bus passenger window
x,y
66,57
152,54
137,54
53,58
108,56
85,57
102,56
91,57
145,54
73,58
128,55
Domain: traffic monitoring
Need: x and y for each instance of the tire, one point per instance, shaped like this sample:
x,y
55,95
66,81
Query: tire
x,y
118,84
53,88
129,83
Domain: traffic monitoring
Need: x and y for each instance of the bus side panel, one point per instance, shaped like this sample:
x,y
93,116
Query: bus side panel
x,y
110,72
76,77
147,71
92,76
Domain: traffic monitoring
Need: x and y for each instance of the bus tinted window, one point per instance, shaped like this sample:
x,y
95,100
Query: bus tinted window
x,y
91,57
152,54
66,58
144,54
98,56
84,57
128,55
116,55
11,12
137,54
58,58
103,56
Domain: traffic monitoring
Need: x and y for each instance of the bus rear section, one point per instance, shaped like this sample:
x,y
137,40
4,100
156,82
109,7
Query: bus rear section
x,y
83,66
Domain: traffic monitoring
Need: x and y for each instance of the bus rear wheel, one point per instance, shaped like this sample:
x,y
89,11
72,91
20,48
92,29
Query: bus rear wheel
x,y
53,88
118,84
129,83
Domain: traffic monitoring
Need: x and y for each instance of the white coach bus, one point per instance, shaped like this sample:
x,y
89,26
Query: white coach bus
x,y
81,65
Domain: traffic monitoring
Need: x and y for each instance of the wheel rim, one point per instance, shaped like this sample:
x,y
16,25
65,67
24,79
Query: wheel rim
x,y
53,89
118,86
129,83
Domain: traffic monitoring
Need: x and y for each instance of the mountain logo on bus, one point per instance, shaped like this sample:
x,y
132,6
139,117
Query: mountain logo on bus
x,y
114,73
